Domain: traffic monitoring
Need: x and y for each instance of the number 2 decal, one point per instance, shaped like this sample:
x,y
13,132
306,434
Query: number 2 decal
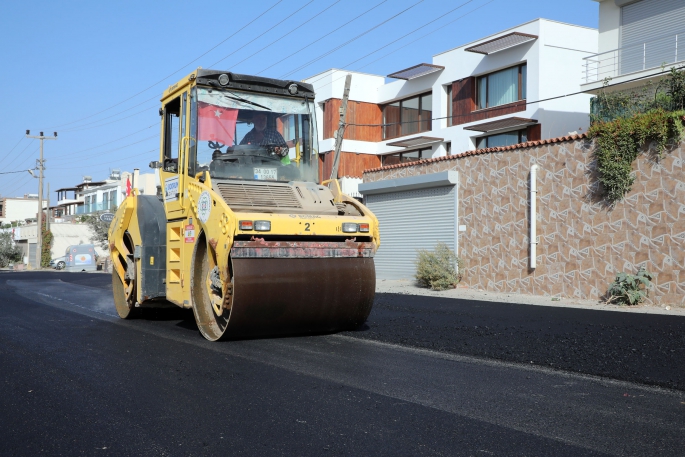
x,y
306,226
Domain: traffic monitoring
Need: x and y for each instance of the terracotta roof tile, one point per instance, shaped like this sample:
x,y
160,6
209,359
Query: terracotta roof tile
x,y
483,151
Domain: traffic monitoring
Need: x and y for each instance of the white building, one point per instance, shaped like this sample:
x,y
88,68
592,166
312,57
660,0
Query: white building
x,y
19,209
496,91
636,38
88,196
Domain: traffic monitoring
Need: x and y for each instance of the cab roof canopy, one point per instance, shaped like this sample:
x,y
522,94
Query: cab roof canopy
x,y
215,78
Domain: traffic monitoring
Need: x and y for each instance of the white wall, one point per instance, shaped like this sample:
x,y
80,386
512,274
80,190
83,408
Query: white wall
x,y
609,25
19,209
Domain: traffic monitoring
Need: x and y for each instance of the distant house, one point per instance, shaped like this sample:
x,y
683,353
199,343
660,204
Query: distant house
x,y
500,90
19,209
89,197
638,39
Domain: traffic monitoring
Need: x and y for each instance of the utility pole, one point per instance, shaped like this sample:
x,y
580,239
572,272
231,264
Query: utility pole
x,y
40,164
341,127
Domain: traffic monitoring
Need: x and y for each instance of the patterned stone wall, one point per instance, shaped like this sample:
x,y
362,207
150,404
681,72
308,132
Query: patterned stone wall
x,y
582,244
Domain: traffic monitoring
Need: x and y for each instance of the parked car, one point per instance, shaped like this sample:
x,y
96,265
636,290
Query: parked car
x,y
58,263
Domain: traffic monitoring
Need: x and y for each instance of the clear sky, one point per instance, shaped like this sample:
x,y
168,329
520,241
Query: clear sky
x,y
94,71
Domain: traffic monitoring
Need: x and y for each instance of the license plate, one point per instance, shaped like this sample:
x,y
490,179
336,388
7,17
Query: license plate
x,y
266,174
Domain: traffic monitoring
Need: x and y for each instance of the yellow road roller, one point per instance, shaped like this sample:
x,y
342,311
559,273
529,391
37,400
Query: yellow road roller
x,y
242,229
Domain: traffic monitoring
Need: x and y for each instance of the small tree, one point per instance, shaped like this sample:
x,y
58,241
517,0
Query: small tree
x,y
99,230
438,269
9,251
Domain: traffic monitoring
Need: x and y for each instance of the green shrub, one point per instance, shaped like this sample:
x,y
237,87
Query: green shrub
x,y
630,289
438,269
620,142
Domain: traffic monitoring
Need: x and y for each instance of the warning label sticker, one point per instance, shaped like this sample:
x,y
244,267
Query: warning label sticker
x,y
189,233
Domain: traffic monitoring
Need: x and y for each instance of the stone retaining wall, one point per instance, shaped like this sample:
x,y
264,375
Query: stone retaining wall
x,y
582,244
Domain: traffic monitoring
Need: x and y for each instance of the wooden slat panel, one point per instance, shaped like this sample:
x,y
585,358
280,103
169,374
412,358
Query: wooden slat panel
x,y
357,113
352,165
534,132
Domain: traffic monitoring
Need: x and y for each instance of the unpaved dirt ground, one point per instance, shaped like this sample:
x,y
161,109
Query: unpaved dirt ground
x,y
409,287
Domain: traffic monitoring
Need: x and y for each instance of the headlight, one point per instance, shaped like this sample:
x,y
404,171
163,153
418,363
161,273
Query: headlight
x,y
349,227
262,226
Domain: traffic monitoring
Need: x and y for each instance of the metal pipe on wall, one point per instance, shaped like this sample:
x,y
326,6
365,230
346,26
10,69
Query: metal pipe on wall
x,y
533,215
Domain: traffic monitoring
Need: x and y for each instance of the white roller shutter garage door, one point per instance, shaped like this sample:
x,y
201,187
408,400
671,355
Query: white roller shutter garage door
x,y
409,220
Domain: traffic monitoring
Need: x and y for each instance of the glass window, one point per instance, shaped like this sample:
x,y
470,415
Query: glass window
x,y
501,87
502,139
243,135
410,116
391,119
426,112
448,89
405,157
524,81
172,113
482,92
406,117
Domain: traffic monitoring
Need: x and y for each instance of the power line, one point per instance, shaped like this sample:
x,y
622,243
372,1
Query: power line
x,y
405,45
119,148
86,126
103,144
294,29
413,31
18,155
14,183
322,37
429,33
110,122
108,162
13,148
259,36
175,71
350,40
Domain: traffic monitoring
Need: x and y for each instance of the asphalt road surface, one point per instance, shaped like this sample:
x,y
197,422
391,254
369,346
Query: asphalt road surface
x,y
424,376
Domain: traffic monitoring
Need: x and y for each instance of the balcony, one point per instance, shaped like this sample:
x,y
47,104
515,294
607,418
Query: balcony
x,y
640,60
94,207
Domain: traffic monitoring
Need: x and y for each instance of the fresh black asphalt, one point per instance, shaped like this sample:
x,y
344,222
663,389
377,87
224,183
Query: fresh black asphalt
x,y
635,347
75,384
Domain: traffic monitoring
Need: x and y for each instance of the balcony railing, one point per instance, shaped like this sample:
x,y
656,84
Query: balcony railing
x,y
94,207
629,59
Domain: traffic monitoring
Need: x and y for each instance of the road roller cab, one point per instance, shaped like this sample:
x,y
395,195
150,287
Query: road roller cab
x,y
244,233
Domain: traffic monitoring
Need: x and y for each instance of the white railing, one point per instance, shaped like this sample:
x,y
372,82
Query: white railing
x,y
651,54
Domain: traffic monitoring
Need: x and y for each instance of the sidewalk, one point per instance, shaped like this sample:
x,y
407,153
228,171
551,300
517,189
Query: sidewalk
x,y
409,287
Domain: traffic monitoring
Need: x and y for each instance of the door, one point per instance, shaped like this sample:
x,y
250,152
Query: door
x,y
174,158
411,220
173,181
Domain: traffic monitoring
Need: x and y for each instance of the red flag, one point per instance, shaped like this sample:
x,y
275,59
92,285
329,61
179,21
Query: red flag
x,y
216,123
128,186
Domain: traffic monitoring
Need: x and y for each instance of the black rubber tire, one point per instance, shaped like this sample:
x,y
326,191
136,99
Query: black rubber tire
x,y
60,265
